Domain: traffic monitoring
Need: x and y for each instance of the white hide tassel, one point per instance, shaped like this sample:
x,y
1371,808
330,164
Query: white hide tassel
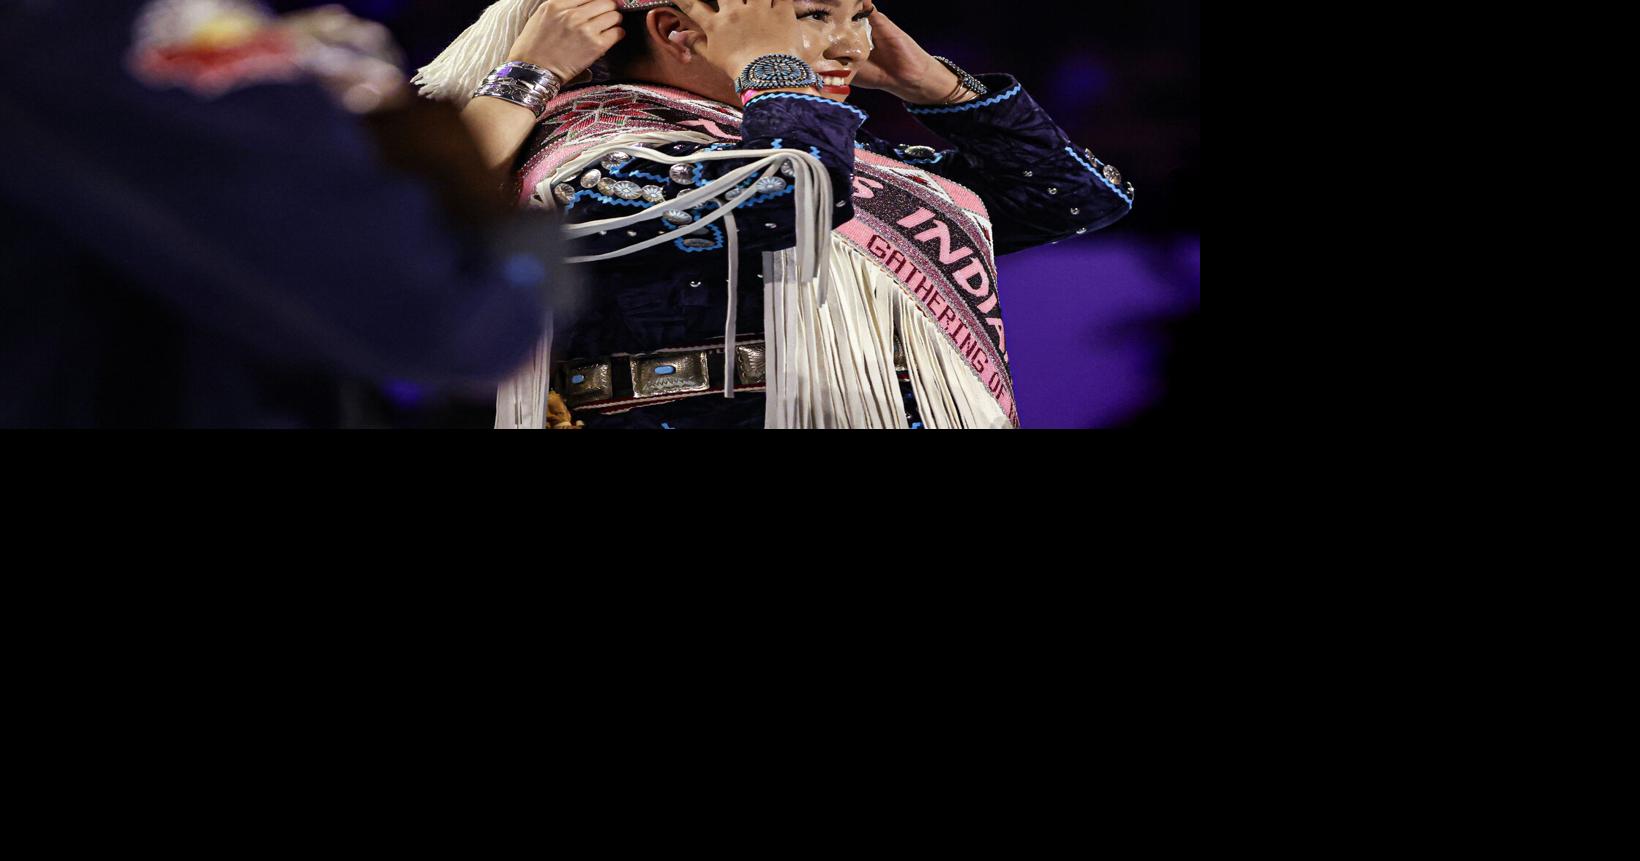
x,y
732,230
521,401
454,74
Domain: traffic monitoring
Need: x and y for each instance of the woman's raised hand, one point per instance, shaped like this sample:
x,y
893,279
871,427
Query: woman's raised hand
x,y
566,37
900,66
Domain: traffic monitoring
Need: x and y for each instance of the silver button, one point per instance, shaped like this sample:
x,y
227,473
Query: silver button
x,y
732,193
771,185
678,216
1053,191
1130,189
615,160
654,194
696,242
628,190
590,178
606,187
1076,210
565,193
1082,231
1030,173
920,152
786,170
683,174
1112,174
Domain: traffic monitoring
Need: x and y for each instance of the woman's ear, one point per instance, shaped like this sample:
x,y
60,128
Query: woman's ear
x,y
676,34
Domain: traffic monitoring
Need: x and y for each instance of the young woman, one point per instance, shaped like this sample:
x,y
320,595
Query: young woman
x,y
754,258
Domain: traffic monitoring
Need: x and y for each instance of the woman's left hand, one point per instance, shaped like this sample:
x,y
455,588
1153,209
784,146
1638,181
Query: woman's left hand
x,y
900,66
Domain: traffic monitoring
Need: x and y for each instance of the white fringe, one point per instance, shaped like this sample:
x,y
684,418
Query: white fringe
x,y
521,400
949,394
454,74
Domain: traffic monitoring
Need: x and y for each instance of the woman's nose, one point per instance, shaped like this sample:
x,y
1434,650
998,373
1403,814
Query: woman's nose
x,y
849,48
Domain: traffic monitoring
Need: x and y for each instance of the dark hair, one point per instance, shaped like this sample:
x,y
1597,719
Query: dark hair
x,y
632,48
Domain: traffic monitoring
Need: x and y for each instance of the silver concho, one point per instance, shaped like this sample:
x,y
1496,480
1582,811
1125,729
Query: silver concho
x,y
590,178
628,190
920,152
606,186
771,185
1130,189
678,216
733,193
564,192
654,194
615,160
1112,174
750,365
787,171
698,242
1053,190
682,174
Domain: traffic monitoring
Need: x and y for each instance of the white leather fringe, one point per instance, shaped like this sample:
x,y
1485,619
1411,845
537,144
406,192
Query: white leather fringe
x,y
521,400
466,62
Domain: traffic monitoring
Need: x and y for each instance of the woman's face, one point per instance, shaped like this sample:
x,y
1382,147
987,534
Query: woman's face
x,y
839,31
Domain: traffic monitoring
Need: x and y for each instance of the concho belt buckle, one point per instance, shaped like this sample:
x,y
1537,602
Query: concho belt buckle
x,y
659,374
586,382
751,368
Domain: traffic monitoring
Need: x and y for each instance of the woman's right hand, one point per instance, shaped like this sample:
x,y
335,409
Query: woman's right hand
x,y
737,32
566,37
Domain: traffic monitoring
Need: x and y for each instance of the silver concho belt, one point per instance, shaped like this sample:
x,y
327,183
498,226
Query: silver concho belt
x,y
622,381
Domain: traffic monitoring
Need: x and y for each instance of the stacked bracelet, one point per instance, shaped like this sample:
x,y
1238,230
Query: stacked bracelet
x,y
523,84
964,80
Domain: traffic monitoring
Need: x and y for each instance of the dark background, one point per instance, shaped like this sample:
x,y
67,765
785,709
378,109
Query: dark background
x,y
1102,330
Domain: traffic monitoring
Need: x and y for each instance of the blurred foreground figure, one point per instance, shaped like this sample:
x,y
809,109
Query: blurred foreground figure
x,y
212,217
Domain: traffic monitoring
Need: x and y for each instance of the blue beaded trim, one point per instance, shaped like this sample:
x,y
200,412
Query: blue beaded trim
x,y
765,198
604,198
637,174
969,106
1091,169
857,112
